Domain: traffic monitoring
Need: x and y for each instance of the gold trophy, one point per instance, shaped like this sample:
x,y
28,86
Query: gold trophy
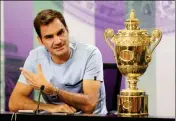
x,y
132,50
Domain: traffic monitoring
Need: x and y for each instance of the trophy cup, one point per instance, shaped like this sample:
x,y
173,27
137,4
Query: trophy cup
x,y
132,50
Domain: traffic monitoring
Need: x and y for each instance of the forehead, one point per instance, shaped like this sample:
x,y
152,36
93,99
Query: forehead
x,y
51,28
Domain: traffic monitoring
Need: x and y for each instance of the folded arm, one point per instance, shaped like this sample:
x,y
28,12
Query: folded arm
x,y
19,100
85,102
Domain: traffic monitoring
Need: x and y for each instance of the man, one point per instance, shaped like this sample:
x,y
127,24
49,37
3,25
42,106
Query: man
x,y
71,72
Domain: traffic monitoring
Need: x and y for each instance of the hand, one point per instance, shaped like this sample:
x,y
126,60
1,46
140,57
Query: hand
x,y
37,80
62,108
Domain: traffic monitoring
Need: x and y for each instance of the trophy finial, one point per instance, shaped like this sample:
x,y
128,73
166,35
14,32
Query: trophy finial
x,y
132,22
132,14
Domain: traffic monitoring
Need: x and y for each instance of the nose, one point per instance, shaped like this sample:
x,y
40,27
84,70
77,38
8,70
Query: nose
x,y
57,40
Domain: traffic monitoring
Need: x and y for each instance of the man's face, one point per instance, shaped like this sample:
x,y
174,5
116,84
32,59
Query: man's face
x,y
54,37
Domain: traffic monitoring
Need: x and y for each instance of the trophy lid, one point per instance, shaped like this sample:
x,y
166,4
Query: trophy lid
x,y
132,22
132,35
132,26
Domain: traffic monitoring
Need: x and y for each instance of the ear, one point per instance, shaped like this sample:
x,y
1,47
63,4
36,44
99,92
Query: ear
x,y
39,40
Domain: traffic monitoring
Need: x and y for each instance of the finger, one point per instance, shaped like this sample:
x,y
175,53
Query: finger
x,y
27,77
20,68
30,81
74,110
69,109
39,68
30,74
65,109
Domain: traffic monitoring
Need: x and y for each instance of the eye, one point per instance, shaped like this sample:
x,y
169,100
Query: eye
x,y
48,36
60,32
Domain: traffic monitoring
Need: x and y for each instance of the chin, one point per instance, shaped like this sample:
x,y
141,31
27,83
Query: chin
x,y
61,53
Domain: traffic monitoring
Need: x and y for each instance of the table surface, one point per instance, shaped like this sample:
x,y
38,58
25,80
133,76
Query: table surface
x,y
6,116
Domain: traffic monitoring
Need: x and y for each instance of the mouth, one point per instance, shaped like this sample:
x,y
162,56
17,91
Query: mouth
x,y
59,48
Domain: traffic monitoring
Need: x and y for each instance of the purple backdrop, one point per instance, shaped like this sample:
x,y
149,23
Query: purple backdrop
x,y
18,40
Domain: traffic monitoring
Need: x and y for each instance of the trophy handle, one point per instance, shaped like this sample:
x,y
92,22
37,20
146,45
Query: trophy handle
x,y
109,33
156,36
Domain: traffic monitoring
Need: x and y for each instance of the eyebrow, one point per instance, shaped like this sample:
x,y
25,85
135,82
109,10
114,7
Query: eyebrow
x,y
50,35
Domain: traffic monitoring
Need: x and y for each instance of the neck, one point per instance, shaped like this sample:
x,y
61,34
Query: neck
x,y
61,59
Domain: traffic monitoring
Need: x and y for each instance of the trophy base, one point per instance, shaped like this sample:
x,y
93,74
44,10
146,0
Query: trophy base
x,y
132,103
132,114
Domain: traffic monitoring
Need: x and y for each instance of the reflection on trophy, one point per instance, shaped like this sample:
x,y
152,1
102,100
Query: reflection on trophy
x,y
132,51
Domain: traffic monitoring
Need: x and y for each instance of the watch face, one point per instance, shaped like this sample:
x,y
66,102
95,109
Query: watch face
x,y
54,97
50,98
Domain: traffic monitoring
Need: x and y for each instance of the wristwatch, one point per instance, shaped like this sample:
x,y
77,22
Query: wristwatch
x,y
55,94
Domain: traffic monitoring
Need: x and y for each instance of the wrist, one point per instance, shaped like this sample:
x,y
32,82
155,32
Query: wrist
x,y
54,92
49,90
54,95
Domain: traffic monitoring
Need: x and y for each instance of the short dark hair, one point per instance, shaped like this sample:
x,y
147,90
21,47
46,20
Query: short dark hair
x,y
45,17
